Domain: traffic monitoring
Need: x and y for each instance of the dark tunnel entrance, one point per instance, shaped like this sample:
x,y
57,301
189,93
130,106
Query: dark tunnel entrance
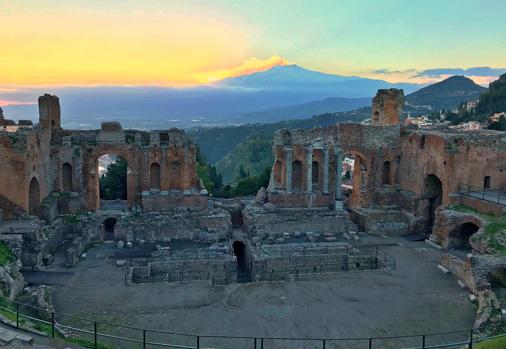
x,y
109,225
243,262
459,238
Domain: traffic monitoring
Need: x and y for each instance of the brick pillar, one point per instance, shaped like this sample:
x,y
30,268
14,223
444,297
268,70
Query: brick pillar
x,y
309,169
339,176
325,169
288,161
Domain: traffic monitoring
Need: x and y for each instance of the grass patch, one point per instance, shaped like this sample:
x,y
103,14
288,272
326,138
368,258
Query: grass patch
x,y
6,255
87,343
496,343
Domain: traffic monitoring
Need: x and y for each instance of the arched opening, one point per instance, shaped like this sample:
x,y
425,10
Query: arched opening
x,y
315,173
243,262
458,239
109,225
387,173
113,190
154,176
422,142
487,181
278,174
34,197
355,179
433,192
297,175
66,172
175,180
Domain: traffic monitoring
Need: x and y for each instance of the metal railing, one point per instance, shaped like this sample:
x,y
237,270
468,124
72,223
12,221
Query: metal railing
x,y
489,195
103,335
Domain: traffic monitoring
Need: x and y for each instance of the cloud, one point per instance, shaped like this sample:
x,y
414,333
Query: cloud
x,y
4,103
480,75
474,71
249,66
392,72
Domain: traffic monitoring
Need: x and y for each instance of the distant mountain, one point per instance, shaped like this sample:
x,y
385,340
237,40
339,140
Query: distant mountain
x,y
446,94
493,100
306,110
294,78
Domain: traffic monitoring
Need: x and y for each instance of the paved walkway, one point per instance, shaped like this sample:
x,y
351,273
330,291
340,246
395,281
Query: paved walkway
x,y
492,196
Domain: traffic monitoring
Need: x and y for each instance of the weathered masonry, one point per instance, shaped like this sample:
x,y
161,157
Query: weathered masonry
x,y
41,159
400,176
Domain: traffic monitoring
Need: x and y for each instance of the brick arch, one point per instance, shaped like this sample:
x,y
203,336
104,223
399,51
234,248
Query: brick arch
x,y
91,175
448,223
34,198
362,178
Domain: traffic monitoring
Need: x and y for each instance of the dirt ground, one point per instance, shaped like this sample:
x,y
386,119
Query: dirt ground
x,y
414,298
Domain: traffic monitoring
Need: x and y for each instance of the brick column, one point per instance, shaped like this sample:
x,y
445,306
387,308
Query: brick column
x,y
309,169
288,162
325,169
339,176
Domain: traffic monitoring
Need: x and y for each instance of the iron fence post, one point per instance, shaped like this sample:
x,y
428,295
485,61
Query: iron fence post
x,y
144,339
423,342
370,343
198,342
471,340
324,342
17,315
262,343
52,324
95,334
255,343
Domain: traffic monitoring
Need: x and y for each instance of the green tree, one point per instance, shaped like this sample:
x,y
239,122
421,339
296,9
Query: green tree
x,y
113,184
242,173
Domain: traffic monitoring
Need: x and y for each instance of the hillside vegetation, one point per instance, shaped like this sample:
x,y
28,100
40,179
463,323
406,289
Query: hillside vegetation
x,y
446,94
248,158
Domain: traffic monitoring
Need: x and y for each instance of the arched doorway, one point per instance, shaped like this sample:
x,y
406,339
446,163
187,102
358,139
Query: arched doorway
x,y
433,192
113,171
67,182
243,262
487,182
297,175
387,173
458,239
34,197
109,225
154,176
357,165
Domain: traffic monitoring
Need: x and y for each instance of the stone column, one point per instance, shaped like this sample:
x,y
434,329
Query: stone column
x,y
309,169
288,164
325,169
339,176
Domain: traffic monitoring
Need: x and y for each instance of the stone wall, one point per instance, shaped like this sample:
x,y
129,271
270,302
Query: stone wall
x,y
37,160
269,219
212,226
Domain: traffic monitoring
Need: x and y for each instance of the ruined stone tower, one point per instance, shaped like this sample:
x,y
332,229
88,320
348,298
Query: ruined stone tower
x,y
387,107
